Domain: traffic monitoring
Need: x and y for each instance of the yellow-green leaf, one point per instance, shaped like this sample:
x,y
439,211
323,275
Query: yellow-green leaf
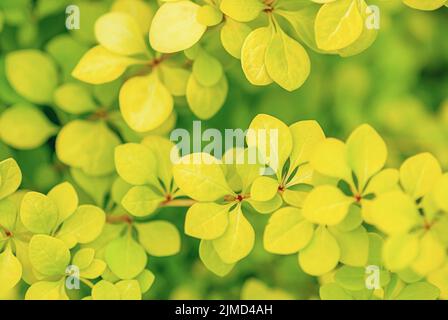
x,y
400,251
48,255
159,238
207,220
39,213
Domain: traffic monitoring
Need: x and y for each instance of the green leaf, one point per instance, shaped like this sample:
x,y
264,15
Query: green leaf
x,y
74,98
287,62
206,101
287,232
212,260
366,153
321,255
333,291
351,278
25,70
207,70
200,177
326,205
8,216
145,280
238,240
141,201
48,255
425,4
24,126
207,220
419,291
125,257
135,163
39,213
159,238
233,35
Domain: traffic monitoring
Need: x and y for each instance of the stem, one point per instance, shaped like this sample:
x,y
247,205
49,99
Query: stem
x,y
7,232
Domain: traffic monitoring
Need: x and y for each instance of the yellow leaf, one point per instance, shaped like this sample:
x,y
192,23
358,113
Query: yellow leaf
x,y
243,11
211,259
400,251
326,205
207,220
425,4
287,232
10,269
100,65
418,174
175,27
145,103
321,255
432,255
264,189
119,33
330,158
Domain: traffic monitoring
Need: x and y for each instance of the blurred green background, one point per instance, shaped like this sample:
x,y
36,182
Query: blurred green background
x,y
399,85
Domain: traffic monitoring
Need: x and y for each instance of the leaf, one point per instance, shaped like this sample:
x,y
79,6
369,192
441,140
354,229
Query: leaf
x,y
264,189
209,15
384,181
48,255
211,259
353,245
207,220
129,290
432,254
204,101
425,4
366,153
10,269
338,24
10,177
83,258
254,289
88,146
105,290
138,9
119,33
175,80
242,11
162,149
100,65
207,70
306,135
333,291
440,192
85,225
326,205
400,251
145,103
238,240
394,213
25,70
145,280
39,213
8,216
287,232
200,177
330,158
65,198
265,207
351,278
418,173
141,201
287,62
74,98
95,270
233,35
253,55
321,255
159,238
125,257
439,278
46,290
375,249
273,140
419,291
135,164
175,27
24,126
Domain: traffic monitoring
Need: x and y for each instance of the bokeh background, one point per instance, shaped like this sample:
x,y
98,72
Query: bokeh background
x,y
399,85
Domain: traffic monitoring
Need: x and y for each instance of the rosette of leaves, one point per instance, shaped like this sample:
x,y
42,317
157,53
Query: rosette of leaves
x,y
55,224
415,219
345,177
